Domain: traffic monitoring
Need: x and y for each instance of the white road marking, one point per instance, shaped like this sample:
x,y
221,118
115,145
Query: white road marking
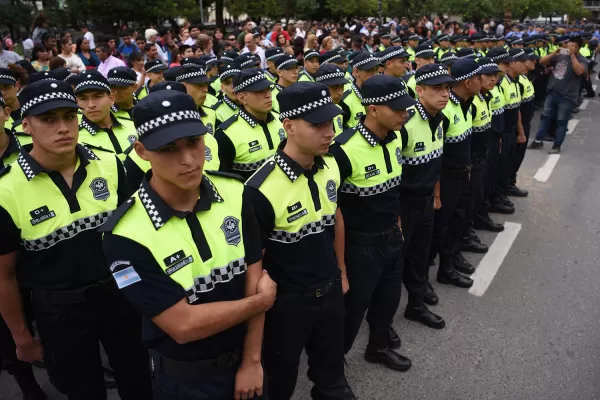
x,y
491,262
584,104
545,171
571,126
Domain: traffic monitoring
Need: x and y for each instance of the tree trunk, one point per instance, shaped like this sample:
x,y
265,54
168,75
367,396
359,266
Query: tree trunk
x,y
219,14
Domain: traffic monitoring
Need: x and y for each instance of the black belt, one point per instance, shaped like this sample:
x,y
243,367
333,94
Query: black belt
x,y
320,292
193,369
415,197
371,239
456,173
77,296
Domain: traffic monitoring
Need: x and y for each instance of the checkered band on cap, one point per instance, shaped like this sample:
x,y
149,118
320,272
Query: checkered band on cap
x,y
384,99
330,59
249,81
443,37
274,56
385,57
194,74
152,68
167,119
91,83
433,74
491,65
471,55
363,62
121,80
290,61
9,77
311,53
500,57
519,54
418,53
449,56
232,71
248,62
46,97
226,58
467,76
305,108
338,74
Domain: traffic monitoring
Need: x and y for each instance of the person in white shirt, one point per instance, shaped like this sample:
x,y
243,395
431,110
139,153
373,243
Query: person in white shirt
x,y
151,36
89,36
28,48
195,31
252,48
300,30
73,62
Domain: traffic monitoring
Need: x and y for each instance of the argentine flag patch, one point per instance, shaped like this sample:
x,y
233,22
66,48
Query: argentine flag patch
x,y
126,277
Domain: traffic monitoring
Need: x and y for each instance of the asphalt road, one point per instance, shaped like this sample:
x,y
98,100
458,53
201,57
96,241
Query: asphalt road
x,y
533,334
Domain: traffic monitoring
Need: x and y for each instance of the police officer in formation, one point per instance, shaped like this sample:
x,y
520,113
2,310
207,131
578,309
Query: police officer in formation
x,y
334,78
364,67
123,84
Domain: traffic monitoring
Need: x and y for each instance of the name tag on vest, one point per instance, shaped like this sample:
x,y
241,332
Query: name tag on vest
x,y
254,146
40,215
177,261
371,171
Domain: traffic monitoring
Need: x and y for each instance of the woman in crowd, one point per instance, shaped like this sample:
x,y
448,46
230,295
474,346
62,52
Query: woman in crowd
x,y
217,42
281,41
57,62
73,62
311,42
326,45
41,58
89,58
136,62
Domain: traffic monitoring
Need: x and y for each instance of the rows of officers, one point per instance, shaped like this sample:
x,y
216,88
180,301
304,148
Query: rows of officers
x,y
233,218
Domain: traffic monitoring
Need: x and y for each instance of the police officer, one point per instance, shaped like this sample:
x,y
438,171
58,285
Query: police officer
x,y
52,200
196,82
451,219
9,145
423,141
171,74
271,54
251,136
333,77
185,251
370,161
154,72
448,59
123,84
395,62
136,167
413,42
212,72
287,72
311,65
444,42
423,56
99,127
9,87
364,67
294,195
228,105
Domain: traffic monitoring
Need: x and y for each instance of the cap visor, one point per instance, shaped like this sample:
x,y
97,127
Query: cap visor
x,y
7,82
290,66
323,114
334,81
91,87
489,70
171,133
120,84
51,105
258,86
429,54
369,65
524,57
197,80
449,63
157,69
401,103
438,80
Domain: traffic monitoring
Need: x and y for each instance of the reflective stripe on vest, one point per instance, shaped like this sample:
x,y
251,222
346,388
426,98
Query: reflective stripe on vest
x,y
353,100
125,134
283,194
460,127
482,120
199,276
512,94
497,102
528,89
422,146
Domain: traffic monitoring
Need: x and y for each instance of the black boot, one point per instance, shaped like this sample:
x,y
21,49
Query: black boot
x,y
514,191
429,297
504,199
23,373
394,341
109,379
416,310
379,353
499,206
448,275
472,244
485,223
462,265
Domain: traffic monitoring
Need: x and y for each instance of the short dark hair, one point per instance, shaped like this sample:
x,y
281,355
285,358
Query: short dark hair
x,y
163,30
57,62
135,56
148,46
127,32
103,46
200,27
183,48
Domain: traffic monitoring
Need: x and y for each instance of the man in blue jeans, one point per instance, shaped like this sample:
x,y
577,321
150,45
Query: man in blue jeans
x,y
563,90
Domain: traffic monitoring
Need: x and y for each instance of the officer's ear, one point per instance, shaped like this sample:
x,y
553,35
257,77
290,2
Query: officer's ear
x,y
372,110
6,112
241,98
420,90
111,96
25,123
140,149
288,126
279,73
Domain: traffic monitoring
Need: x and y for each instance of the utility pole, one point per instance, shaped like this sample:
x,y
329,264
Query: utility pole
x,y
201,12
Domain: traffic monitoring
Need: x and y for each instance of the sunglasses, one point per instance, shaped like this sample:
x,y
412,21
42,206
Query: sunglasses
x,y
231,38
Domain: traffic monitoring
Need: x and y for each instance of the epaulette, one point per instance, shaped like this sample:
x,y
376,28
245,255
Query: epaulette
x,y
4,170
411,113
16,123
345,136
212,90
225,175
138,91
128,150
117,215
227,123
346,94
257,179
216,105
92,147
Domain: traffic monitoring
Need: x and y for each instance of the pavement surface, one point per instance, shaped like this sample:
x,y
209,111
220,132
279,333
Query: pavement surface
x,y
530,330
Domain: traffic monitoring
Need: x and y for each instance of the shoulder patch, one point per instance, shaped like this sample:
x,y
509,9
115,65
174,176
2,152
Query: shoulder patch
x,y
257,179
4,170
345,136
225,175
227,123
117,215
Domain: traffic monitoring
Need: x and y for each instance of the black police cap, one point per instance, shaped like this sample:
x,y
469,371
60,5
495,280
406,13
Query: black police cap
x,y
166,85
393,52
432,74
229,55
309,101
464,69
40,76
63,74
448,58
154,66
122,77
308,54
192,73
165,116
424,51
192,60
488,66
272,53
250,80
46,95
386,90
466,53
230,69
246,61
91,80
331,56
365,61
171,73
518,55
8,77
330,75
286,61
531,54
499,54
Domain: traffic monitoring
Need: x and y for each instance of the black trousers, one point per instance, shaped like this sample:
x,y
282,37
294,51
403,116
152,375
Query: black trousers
x,y
375,277
450,219
316,324
472,198
417,216
505,162
521,148
489,179
71,326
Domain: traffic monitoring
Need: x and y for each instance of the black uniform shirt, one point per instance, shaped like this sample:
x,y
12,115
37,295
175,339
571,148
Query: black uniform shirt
x,y
156,292
457,155
69,264
376,213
